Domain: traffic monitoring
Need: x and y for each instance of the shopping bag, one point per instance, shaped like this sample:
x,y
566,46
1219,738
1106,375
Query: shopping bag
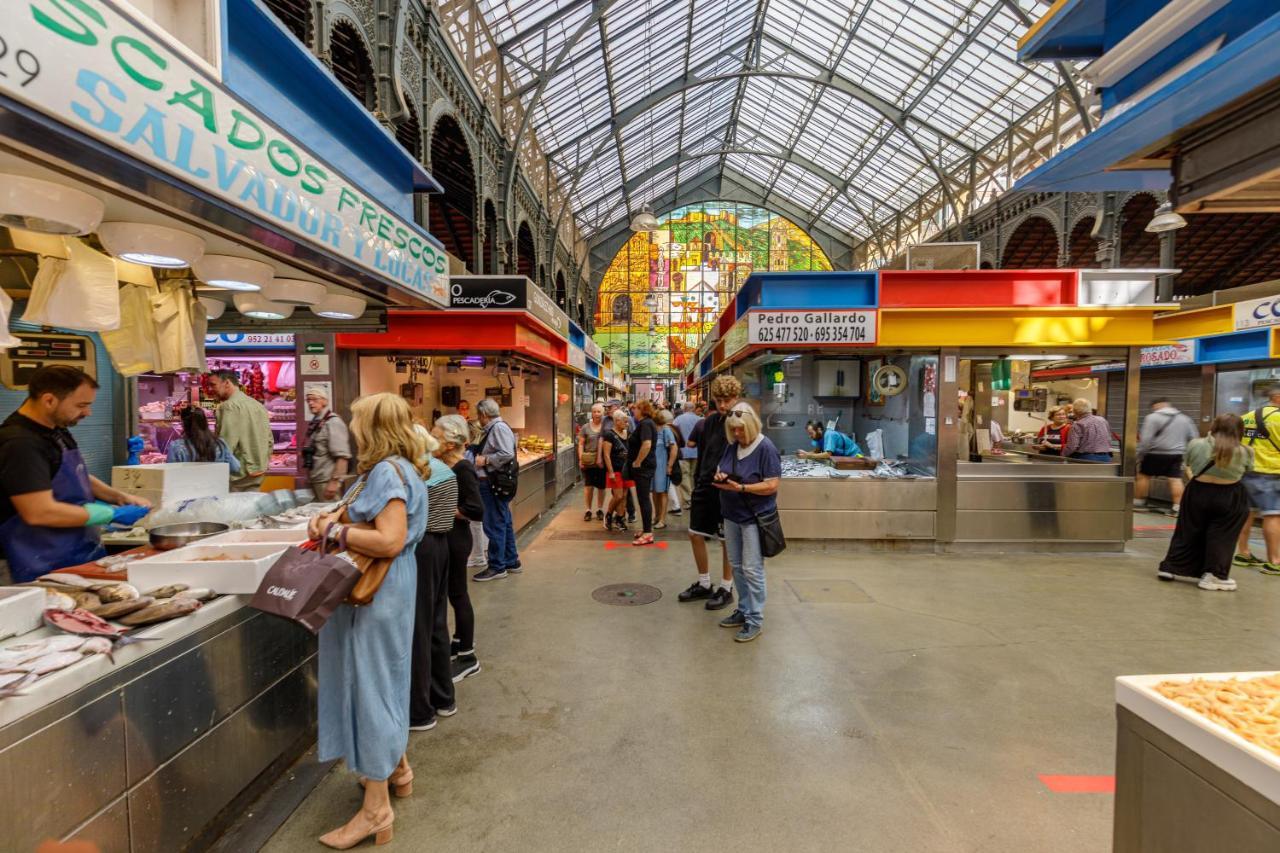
x,y
79,293
305,586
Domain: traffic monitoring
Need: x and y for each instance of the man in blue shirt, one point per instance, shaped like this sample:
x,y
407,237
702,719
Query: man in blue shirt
x,y
685,422
828,443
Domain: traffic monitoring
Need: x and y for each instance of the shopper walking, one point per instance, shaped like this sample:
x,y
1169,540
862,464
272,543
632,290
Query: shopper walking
x,y
1162,444
685,422
365,651
495,449
666,452
642,464
198,443
453,433
328,450
747,477
591,461
243,423
615,461
1214,507
1262,434
431,688
1090,436
705,519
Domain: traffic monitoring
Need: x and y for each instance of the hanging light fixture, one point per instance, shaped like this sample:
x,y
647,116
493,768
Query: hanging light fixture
x,y
232,273
294,291
151,245
214,308
336,306
255,306
644,220
46,207
1166,219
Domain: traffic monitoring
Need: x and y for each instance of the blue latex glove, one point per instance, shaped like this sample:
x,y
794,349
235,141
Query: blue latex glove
x,y
128,515
135,445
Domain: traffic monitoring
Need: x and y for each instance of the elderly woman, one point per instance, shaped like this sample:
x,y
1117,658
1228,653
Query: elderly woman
x,y
453,433
748,477
1053,435
614,448
365,652
666,453
591,461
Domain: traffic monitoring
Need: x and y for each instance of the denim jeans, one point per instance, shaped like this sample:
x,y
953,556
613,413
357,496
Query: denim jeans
x,y
500,528
743,544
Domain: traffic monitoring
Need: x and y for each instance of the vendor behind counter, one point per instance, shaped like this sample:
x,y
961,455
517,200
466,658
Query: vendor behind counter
x,y
50,506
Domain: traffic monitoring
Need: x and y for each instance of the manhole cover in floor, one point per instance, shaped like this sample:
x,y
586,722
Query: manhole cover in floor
x,y
627,594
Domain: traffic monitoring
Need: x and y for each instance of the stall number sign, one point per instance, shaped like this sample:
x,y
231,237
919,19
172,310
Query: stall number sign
x,y
1257,313
811,327
101,69
1181,352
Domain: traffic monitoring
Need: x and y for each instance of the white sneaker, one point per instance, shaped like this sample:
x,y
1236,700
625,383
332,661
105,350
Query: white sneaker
x,y
1213,582
477,564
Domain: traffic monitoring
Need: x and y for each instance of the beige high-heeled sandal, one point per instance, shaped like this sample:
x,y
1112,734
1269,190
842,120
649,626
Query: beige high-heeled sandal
x,y
344,837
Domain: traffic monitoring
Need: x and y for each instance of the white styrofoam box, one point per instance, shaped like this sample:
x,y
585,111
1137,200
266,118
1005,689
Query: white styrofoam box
x,y
237,571
1119,287
282,536
173,480
21,609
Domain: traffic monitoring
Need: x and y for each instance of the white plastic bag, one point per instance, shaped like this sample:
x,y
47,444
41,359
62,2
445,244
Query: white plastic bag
x,y
875,444
133,347
6,311
79,293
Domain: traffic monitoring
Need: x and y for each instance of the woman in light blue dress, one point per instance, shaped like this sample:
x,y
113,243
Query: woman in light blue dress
x,y
365,652
665,454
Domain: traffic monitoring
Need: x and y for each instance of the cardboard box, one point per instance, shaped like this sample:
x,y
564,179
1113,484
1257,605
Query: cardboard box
x,y
168,482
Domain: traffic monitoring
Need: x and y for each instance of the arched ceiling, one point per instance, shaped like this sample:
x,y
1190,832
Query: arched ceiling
x,y
852,110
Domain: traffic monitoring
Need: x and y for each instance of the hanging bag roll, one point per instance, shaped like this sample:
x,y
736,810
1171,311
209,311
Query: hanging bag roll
x,y
79,293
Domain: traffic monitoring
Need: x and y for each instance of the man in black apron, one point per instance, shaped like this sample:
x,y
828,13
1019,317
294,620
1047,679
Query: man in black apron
x,y
50,506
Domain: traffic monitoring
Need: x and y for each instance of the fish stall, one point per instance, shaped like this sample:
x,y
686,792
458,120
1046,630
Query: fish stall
x,y
179,702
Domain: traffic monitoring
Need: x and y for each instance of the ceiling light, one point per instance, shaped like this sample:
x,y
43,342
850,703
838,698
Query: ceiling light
x,y
1165,220
336,306
294,291
214,308
644,220
255,306
47,207
232,273
151,245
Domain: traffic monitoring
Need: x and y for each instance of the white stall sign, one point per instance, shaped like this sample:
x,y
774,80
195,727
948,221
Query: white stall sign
x,y
812,327
1182,352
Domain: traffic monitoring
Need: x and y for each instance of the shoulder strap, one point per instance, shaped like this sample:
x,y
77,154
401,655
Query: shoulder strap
x,y
1206,467
1168,420
1260,426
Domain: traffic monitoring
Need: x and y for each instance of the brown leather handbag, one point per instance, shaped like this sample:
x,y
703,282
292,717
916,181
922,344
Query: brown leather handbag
x,y
373,570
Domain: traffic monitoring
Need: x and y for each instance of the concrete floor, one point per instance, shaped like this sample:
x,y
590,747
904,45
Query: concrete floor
x,y
894,703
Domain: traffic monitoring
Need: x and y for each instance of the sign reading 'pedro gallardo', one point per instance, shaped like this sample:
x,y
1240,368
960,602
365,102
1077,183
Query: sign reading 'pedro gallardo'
x,y
93,66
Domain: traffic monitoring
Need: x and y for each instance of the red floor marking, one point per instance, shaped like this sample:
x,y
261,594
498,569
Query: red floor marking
x,y
610,545
1154,526
1079,784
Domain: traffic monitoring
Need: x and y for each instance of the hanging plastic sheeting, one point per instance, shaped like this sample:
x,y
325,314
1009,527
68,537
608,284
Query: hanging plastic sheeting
x,y
174,310
199,328
875,444
78,293
134,347
7,340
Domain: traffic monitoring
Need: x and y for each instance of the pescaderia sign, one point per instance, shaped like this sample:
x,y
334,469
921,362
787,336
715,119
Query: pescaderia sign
x,y
91,65
506,293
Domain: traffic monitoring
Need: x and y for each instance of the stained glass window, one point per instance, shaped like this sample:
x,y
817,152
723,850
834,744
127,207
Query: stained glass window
x,y
665,288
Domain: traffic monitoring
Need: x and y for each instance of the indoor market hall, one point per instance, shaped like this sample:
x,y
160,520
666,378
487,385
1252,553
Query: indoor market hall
x,y
587,425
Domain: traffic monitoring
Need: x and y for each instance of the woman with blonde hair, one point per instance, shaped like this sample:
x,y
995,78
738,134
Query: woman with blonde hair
x,y
748,477
365,652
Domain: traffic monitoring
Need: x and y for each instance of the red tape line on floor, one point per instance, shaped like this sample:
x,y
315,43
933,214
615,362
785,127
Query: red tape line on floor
x,y
1079,784
1154,526
609,546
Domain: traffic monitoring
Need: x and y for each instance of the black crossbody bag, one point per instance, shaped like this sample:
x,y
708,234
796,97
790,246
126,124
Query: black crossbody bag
x,y
772,540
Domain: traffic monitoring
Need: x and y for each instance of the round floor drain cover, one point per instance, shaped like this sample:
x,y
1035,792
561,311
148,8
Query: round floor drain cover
x,y
627,594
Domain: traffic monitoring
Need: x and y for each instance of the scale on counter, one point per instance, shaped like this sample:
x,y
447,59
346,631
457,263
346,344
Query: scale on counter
x,y
40,349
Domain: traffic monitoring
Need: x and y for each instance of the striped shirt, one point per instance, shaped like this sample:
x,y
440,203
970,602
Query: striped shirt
x,y
1089,434
442,497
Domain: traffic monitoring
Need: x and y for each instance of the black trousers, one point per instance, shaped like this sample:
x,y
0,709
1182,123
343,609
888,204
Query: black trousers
x,y
464,617
644,497
431,679
1209,521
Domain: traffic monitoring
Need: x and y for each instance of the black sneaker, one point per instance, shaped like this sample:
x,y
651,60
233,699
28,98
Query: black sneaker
x,y
676,511
516,569
720,599
456,650
599,515
465,667
631,519
697,592
489,575
736,619
588,516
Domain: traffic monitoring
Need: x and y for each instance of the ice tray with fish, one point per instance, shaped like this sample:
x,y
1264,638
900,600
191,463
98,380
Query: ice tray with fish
x,y
231,569
282,537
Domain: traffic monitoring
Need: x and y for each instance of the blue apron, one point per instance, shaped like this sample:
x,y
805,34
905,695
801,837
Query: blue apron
x,y
36,551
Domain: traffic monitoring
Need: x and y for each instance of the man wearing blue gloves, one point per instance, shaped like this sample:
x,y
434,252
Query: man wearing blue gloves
x,y
50,506
828,443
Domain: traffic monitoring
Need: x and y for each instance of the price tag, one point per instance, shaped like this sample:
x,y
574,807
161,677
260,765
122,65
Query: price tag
x,y
808,328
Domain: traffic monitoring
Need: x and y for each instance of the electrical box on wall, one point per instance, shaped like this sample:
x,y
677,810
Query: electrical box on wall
x,y
1031,399
40,349
838,378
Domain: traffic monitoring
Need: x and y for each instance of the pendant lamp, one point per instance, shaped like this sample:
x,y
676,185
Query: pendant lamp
x,y
336,306
294,291
46,207
214,308
255,306
151,245
232,273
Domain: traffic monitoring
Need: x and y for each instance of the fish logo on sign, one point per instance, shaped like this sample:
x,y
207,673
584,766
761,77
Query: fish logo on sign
x,y
494,298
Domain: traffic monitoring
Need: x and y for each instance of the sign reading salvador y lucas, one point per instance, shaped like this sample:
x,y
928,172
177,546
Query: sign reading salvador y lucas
x,y
91,65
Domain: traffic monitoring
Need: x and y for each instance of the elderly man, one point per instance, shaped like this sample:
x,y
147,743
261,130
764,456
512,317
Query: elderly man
x,y
686,421
243,423
1090,435
328,450
497,449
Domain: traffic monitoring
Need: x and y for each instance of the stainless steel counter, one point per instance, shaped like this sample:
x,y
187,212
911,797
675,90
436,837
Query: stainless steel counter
x,y
531,494
858,508
156,751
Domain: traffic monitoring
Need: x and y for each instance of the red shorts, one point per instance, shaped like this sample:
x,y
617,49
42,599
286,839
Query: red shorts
x,y
615,481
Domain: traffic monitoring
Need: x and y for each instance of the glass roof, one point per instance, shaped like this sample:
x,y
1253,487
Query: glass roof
x,y
845,108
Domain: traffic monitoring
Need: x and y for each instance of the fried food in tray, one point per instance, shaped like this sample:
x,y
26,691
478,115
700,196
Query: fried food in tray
x,y
1250,708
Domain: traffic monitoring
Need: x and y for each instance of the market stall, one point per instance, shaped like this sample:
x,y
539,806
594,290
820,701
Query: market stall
x,y
503,338
897,360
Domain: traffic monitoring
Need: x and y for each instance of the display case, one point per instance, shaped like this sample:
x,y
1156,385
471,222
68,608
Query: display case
x,y
269,378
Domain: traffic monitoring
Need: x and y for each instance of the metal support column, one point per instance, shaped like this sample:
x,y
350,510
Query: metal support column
x,y
1129,443
1164,284
948,436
